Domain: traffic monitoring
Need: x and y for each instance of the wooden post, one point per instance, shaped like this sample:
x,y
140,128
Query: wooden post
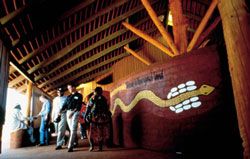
x,y
29,97
202,25
137,56
180,25
4,76
163,31
235,21
148,39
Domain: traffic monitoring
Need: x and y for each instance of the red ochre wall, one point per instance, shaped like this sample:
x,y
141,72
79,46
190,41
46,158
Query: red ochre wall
x,y
210,129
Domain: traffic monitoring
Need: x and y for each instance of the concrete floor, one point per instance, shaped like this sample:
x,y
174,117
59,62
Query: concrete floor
x,y
49,152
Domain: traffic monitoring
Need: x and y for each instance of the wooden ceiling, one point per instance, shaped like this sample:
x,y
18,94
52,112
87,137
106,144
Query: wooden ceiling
x,y
54,42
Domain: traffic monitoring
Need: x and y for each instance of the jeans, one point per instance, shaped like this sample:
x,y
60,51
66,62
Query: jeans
x,y
44,134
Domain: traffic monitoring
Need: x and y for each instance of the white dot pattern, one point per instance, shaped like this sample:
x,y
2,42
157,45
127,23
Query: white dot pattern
x,y
193,102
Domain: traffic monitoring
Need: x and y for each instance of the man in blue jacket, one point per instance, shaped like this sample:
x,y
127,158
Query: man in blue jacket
x,y
45,118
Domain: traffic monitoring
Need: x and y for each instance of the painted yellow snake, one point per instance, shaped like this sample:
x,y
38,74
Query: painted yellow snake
x,y
149,95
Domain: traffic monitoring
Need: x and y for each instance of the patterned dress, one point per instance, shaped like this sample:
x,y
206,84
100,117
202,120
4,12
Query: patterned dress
x,y
99,118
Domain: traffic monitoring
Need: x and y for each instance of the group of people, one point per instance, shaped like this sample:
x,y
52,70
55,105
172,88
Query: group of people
x,y
94,117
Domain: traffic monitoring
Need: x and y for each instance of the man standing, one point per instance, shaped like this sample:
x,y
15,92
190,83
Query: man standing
x,y
73,106
45,115
59,122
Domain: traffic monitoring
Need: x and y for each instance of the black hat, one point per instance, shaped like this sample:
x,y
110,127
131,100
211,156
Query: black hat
x,y
98,90
17,106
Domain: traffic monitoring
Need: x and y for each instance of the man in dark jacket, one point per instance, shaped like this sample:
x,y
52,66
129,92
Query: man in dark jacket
x,y
73,105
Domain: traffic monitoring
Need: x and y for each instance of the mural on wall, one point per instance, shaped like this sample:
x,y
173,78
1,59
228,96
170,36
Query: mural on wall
x,y
169,101
182,97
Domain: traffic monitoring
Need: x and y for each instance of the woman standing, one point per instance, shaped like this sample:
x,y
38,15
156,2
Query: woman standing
x,y
98,115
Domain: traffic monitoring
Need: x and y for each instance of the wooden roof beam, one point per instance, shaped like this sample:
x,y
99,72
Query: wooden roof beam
x,y
12,15
148,39
204,35
90,47
93,76
180,25
93,58
75,9
11,70
16,81
72,78
84,80
132,52
70,47
166,36
202,25
22,88
23,72
71,30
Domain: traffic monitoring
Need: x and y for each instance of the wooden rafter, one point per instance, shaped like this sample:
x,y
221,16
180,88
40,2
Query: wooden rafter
x,y
93,58
69,31
76,9
93,76
180,25
192,16
132,52
22,88
89,48
148,38
202,25
88,70
83,80
166,36
204,35
12,15
16,80
11,70
23,72
70,47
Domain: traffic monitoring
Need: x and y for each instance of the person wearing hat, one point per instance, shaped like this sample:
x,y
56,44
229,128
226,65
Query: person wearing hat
x,y
59,120
17,122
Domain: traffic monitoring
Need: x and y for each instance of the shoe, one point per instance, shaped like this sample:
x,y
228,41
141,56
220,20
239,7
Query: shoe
x,y
39,145
58,147
70,149
100,149
91,148
75,144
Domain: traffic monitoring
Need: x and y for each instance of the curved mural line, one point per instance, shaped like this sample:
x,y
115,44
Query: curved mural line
x,y
149,95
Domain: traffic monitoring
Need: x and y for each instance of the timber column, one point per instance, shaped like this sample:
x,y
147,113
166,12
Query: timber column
x,y
29,97
235,21
4,76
